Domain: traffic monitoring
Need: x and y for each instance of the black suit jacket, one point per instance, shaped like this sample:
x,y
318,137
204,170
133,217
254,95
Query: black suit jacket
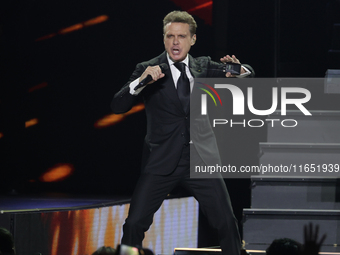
x,y
167,123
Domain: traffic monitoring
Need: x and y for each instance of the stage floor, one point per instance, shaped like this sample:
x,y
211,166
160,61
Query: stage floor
x,y
56,202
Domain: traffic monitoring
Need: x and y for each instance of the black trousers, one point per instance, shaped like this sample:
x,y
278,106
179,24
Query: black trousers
x,y
211,194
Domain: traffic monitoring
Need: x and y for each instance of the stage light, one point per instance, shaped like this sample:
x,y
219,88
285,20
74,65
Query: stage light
x,y
31,122
96,20
55,240
113,119
57,173
136,108
70,29
76,27
109,120
198,7
1,135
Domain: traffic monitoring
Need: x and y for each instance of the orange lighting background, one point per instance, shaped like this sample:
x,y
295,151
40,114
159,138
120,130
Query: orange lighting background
x,y
69,59
82,232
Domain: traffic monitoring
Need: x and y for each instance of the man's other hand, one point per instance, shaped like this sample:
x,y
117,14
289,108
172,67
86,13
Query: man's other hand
x,y
232,59
312,243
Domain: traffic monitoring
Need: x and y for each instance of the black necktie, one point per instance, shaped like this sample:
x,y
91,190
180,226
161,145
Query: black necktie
x,y
183,86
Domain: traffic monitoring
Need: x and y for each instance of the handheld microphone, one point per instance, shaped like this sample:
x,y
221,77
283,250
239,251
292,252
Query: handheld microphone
x,y
148,78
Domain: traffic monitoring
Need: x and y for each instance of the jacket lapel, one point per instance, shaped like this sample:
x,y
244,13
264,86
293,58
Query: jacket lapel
x,y
197,72
195,68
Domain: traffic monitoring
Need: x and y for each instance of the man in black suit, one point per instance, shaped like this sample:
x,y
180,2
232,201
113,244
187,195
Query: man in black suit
x,y
168,145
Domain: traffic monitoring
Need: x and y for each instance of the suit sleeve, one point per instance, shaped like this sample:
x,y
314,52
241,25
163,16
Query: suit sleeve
x,y
252,75
123,100
216,69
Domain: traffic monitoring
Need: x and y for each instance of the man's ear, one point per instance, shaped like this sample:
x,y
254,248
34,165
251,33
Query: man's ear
x,y
193,40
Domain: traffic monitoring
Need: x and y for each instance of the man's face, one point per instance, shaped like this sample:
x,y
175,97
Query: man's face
x,y
177,40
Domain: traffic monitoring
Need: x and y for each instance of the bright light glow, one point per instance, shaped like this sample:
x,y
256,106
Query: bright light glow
x,y
199,8
57,173
136,108
205,5
113,119
76,27
80,232
71,29
109,120
31,122
96,20
55,240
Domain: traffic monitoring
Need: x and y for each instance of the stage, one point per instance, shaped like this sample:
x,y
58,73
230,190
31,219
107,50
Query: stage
x,y
56,202
61,224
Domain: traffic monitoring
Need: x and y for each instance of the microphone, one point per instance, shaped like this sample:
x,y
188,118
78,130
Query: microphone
x,y
148,78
